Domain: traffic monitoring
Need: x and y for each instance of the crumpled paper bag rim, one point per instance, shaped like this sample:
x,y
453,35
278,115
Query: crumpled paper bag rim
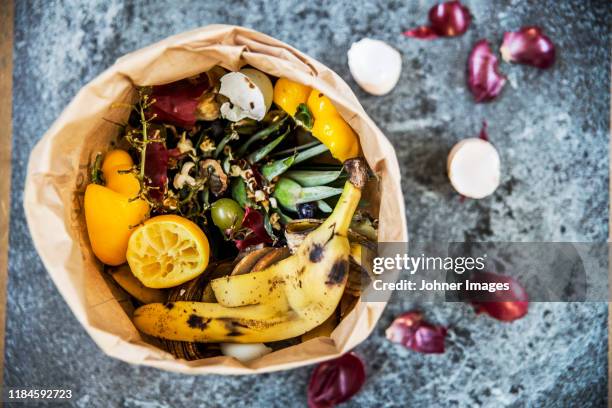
x,y
55,181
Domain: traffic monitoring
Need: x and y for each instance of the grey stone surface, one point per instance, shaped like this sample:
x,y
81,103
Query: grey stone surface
x,y
551,128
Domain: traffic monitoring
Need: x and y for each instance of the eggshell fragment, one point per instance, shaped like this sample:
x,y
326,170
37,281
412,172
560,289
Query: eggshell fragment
x,y
262,81
246,100
474,168
245,352
375,65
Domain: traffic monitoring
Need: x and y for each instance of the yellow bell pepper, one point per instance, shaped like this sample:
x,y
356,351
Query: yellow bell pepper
x,y
111,212
288,95
320,105
331,129
338,136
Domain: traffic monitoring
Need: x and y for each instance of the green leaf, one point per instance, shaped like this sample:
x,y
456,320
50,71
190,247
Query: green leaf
x,y
238,187
311,178
309,194
310,153
303,117
278,167
226,139
323,206
262,134
261,153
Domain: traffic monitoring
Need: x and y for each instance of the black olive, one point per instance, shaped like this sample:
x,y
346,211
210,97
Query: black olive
x,y
217,128
307,210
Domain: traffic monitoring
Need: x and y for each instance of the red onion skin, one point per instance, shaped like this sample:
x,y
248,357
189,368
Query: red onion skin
x,y
484,79
528,46
506,306
410,330
335,381
157,157
176,102
484,135
448,19
422,33
254,221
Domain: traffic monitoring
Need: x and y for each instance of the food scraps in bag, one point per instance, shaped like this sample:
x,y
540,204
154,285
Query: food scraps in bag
x,y
232,196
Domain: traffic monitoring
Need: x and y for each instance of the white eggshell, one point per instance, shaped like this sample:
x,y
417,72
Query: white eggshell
x,y
245,352
375,65
246,99
474,168
262,81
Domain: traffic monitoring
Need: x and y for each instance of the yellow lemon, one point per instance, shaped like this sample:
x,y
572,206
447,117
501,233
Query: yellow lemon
x,y
167,250
288,95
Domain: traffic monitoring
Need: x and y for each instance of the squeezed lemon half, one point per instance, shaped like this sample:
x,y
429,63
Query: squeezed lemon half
x,y
167,250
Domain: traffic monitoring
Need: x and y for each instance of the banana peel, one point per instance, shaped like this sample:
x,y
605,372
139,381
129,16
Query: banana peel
x,y
282,301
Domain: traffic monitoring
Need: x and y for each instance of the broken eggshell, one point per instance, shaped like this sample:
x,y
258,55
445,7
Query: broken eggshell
x,y
474,168
245,352
375,65
262,81
246,100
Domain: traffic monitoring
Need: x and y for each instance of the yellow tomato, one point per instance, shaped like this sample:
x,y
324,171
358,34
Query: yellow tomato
x,y
167,250
110,218
320,105
288,95
338,136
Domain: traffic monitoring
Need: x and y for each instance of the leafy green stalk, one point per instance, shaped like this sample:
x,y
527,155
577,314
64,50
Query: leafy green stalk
x,y
261,153
289,193
311,178
262,134
295,149
278,167
226,139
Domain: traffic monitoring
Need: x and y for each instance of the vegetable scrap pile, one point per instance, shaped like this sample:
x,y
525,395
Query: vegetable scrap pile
x,y
214,211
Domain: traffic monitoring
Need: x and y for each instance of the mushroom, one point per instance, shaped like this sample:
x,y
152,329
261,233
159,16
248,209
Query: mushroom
x,y
474,167
215,176
246,100
375,65
245,352
183,177
185,145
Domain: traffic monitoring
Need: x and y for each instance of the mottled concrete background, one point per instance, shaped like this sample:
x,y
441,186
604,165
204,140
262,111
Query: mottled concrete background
x,y
551,129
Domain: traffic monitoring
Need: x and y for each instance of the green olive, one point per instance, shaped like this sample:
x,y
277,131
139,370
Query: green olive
x,y
227,214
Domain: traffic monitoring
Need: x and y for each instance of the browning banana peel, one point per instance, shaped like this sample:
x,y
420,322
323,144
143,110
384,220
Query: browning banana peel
x,y
282,301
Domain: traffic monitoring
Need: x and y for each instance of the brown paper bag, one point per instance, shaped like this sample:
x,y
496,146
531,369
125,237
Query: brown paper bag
x,y
58,174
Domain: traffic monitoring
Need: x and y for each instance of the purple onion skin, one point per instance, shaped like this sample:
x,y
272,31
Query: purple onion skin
x,y
410,330
485,82
528,46
448,19
506,306
335,381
